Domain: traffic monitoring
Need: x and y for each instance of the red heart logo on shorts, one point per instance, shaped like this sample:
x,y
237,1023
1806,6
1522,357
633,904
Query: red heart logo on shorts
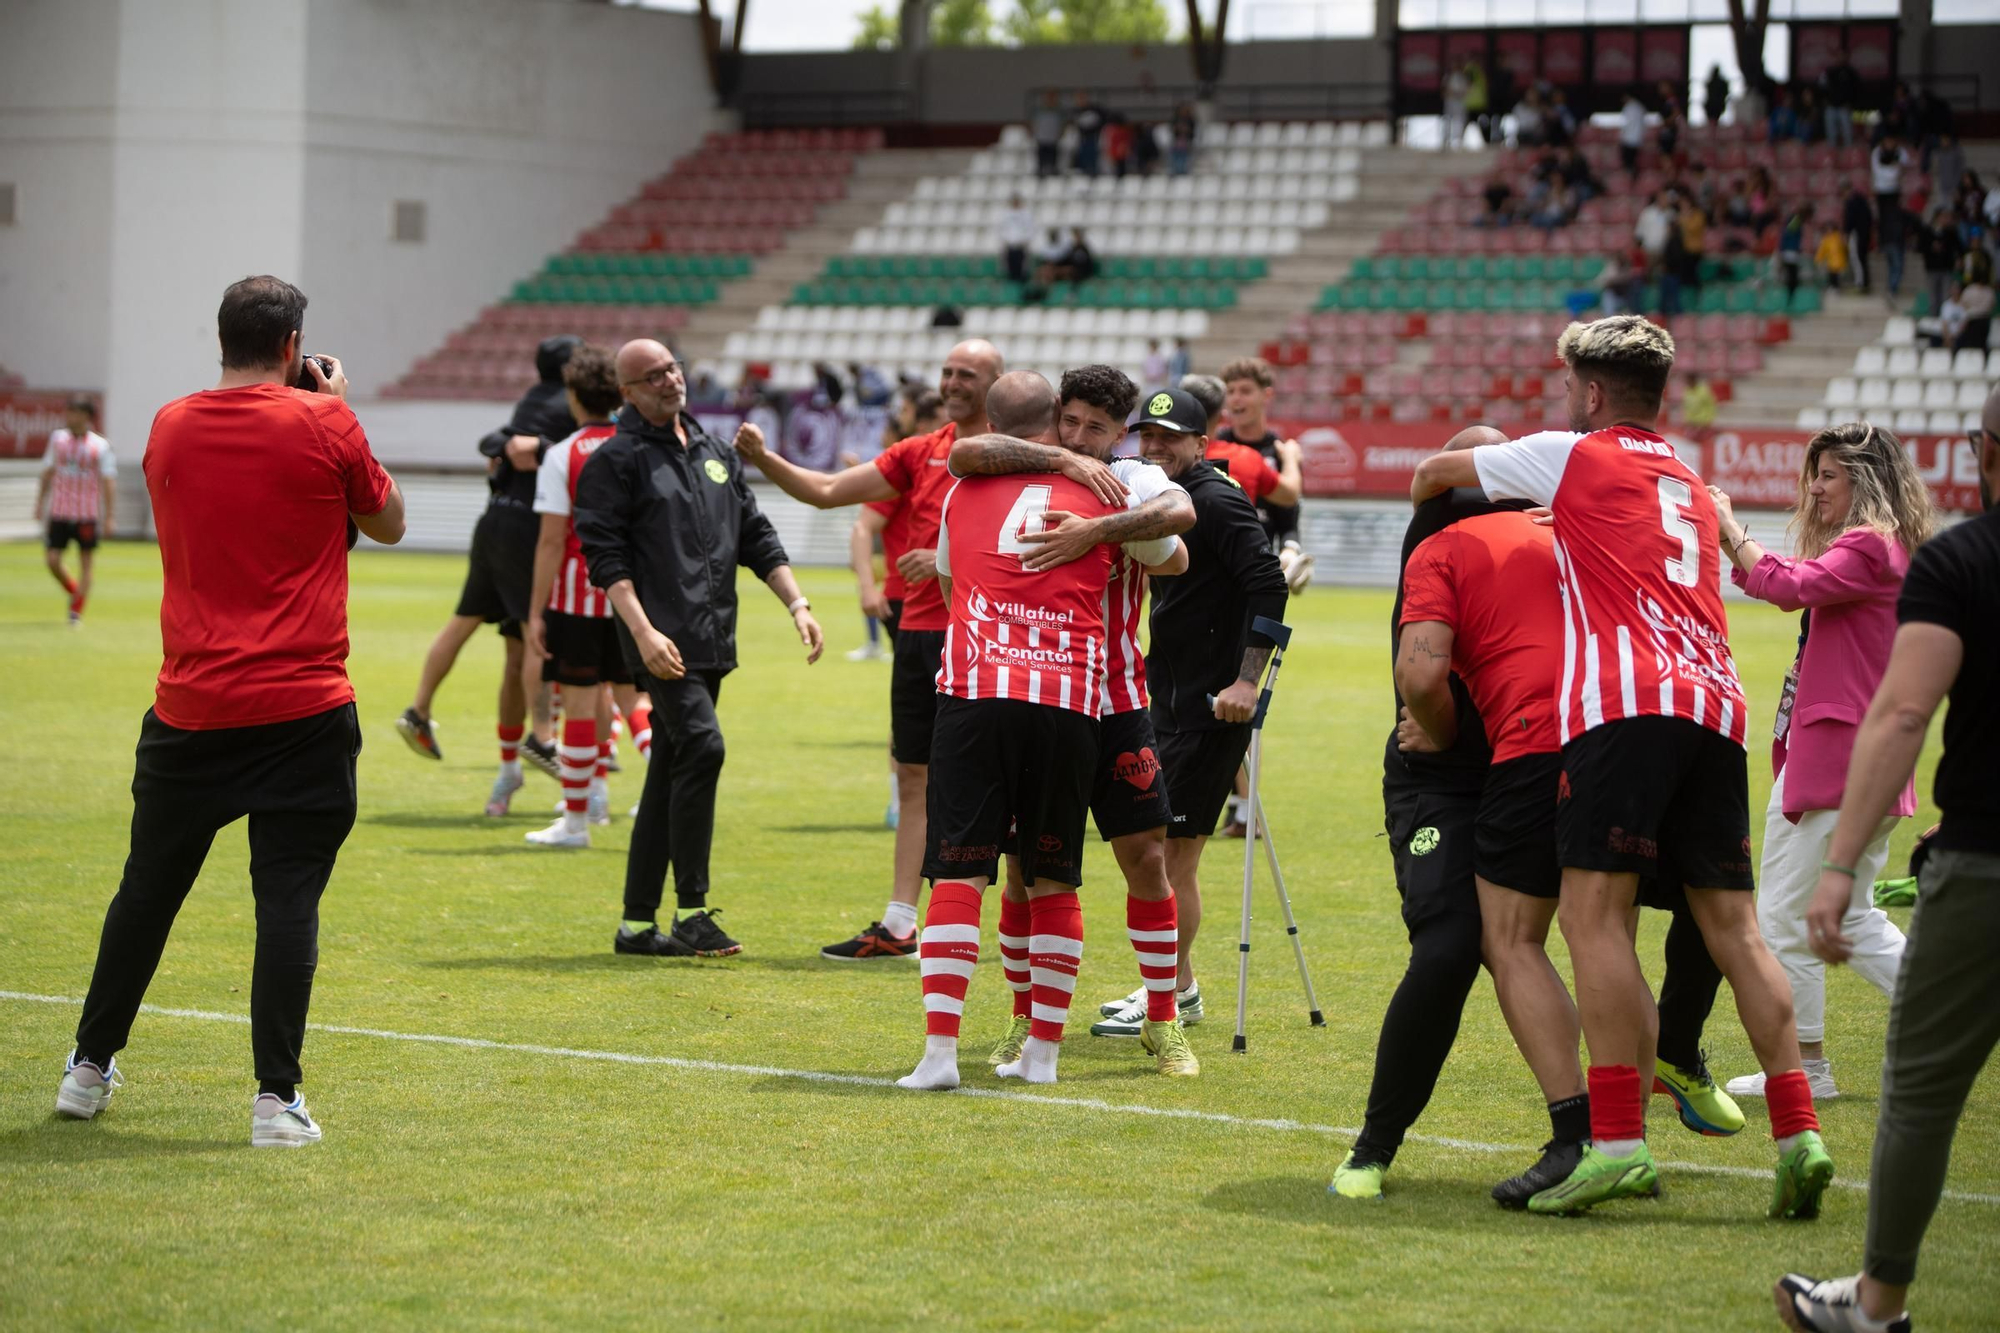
x,y
1138,769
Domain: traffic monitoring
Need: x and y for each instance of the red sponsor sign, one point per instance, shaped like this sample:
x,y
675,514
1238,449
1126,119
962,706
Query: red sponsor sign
x,y
1813,48
28,415
1871,49
1758,466
1617,58
1663,54
1419,58
1562,56
1515,53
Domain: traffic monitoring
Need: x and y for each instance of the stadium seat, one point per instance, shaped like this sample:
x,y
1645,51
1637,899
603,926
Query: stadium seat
x,y
1843,392
1812,418
1871,361
1969,363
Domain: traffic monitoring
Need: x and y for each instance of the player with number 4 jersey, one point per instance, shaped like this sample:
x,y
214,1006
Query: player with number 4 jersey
x,y
1654,778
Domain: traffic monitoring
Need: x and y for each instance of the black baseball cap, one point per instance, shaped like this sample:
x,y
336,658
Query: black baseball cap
x,y
1174,410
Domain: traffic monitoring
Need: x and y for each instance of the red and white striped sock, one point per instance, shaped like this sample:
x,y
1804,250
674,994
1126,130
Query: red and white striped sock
x,y
1154,929
1014,929
603,755
640,724
76,603
510,743
1055,951
577,758
946,953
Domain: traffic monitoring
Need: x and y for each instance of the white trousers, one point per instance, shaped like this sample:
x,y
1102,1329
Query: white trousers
x,y
1792,853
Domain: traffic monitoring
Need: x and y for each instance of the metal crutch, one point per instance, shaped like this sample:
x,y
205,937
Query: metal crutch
x,y
1280,636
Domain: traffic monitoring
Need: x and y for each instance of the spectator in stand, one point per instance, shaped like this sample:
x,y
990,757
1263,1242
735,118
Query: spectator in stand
x,y
1842,86
1080,262
1941,248
1857,221
1673,120
1145,148
1619,283
1631,132
1693,225
1763,199
1831,257
1792,246
1716,100
1900,117
1477,104
1936,122
1118,143
1530,121
1049,259
1701,187
1653,228
1561,120
1047,126
1977,298
1154,372
1576,173
1180,362
1862,512
1886,165
1456,86
1810,117
1556,208
1698,408
1088,119
1180,150
1736,211
1947,167
1949,321
1499,197
1017,233
1782,123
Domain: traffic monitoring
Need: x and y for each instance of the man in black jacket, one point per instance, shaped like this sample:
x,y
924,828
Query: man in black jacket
x,y
1201,645
665,516
500,579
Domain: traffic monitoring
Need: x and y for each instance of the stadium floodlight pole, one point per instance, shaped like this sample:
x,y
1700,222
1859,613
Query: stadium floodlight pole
x,y
1280,636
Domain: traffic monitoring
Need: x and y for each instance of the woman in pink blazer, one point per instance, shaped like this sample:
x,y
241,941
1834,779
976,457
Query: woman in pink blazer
x,y
1862,511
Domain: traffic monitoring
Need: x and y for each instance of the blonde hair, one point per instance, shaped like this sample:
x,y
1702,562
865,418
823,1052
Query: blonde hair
x,y
1888,495
1633,355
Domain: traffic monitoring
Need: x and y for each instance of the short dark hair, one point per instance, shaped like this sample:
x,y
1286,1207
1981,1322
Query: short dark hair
x,y
925,403
1207,390
256,317
1105,388
81,404
592,376
1249,368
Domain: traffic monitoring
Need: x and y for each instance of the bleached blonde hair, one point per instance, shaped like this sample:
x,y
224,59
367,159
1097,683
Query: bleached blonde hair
x,y
1629,354
1888,495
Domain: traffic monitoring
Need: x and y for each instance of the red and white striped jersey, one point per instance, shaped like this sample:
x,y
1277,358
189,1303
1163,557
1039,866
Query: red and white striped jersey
x,y
555,493
80,468
1640,573
1125,594
1015,634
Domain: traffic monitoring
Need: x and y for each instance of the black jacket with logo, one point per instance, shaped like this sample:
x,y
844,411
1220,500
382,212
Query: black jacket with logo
x,y
1201,619
677,522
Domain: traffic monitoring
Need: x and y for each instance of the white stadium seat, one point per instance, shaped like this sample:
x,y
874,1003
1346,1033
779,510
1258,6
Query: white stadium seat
x,y
1971,393
1900,329
1969,364
1935,363
1871,360
1907,394
1941,423
1811,418
1842,393
1940,394
1909,421
1902,362
1874,394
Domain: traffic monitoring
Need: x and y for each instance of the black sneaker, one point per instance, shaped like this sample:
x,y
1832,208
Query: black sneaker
x,y
417,734
697,933
650,942
872,943
1559,1159
542,755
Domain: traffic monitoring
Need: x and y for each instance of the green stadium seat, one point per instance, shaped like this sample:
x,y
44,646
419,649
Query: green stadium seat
x,y
1588,269
1805,301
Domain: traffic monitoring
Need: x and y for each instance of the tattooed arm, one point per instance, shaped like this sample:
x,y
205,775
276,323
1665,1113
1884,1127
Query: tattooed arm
x,y
1423,678
988,455
1070,537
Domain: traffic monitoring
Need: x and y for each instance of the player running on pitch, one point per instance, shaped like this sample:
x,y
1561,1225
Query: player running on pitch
x,y
78,489
1016,742
1652,716
1129,797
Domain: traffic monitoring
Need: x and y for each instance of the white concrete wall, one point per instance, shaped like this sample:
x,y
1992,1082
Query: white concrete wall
x,y
517,122
162,149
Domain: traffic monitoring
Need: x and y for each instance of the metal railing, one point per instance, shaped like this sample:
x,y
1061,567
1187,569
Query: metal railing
x,y
1255,101
869,106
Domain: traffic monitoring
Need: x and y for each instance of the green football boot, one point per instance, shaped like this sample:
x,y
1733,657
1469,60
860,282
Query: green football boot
x,y
1009,1049
1803,1175
1600,1179
1705,1108
1363,1181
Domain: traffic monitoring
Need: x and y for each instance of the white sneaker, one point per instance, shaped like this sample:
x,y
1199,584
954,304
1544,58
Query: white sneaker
x,y
85,1088
1819,1078
560,834
598,811
273,1124
634,814
867,652
501,798
1122,1018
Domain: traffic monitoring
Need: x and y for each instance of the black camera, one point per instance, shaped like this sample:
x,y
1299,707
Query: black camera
x,y
306,380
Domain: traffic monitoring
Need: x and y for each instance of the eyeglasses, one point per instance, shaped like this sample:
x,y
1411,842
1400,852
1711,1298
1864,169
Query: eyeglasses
x,y
657,377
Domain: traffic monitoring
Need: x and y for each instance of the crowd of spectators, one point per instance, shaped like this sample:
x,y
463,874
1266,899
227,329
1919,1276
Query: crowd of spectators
x,y
1100,140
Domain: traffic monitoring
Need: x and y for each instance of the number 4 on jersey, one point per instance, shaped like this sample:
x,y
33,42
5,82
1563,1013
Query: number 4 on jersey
x,y
1024,517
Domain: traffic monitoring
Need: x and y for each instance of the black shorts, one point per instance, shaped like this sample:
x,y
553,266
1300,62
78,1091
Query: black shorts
x,y
913,694
1129,794
1201,771
1431,838
502,576
891,621
63,531
999,764
1514,842
583,650
1657,796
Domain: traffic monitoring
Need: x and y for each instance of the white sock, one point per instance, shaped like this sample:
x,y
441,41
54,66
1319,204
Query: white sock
x,y
1037,1063
1619,1147
600,789
1787,1143
895,796
573,821
900,919
510,768
938,1070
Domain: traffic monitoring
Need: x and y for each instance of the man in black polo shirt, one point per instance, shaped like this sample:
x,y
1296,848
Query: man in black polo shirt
x,y
665,517
1944,1022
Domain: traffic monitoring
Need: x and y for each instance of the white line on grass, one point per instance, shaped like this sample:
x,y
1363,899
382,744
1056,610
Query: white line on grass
x,y
868,1081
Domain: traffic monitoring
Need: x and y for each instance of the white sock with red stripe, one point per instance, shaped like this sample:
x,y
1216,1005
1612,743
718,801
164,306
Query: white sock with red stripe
x,y
1014,931
1154,929
640,724
578,758
946,953
510,749
1055,951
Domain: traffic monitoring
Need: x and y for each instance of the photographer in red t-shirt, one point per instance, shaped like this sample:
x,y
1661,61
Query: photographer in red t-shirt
x,y
254,484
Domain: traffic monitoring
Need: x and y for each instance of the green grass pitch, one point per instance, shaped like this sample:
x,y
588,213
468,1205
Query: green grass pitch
x,y
712,1184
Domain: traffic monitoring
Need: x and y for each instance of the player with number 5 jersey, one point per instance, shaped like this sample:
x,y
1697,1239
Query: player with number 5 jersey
x,y
1654,782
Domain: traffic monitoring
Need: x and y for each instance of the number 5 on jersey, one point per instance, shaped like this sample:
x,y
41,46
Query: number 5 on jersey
x,y
1675,496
